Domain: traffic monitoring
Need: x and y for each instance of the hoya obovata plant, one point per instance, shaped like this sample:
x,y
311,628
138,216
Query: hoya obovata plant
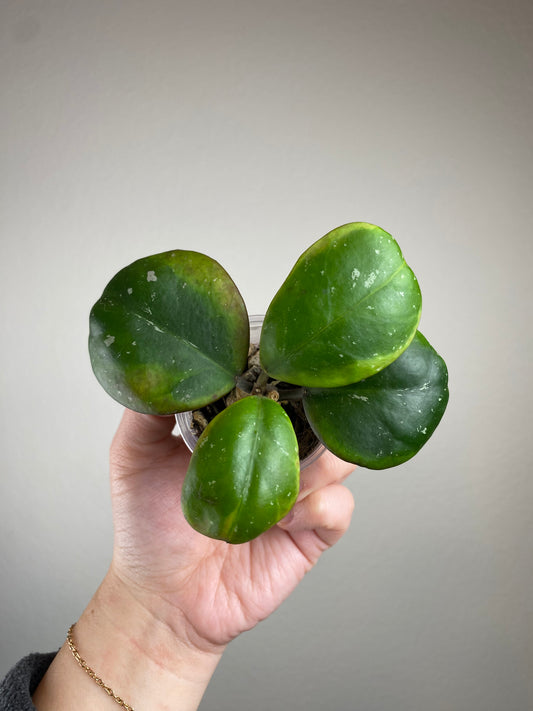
x,y
170,334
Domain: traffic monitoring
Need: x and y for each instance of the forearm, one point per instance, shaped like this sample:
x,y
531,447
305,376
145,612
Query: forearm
x,y
144,661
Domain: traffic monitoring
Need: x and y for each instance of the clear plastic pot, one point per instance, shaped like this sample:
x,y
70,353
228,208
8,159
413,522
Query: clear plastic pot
x,y
184,419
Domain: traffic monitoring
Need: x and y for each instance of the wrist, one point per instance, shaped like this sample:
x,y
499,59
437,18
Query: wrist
x,y
140,657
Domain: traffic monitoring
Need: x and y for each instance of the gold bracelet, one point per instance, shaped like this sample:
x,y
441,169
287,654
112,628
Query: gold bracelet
x,y
83,664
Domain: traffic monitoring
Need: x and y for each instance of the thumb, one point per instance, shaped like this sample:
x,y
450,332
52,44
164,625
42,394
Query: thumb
x,y
144,430
141,438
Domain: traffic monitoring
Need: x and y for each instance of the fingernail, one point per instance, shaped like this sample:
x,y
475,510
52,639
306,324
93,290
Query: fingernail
x,y
286,520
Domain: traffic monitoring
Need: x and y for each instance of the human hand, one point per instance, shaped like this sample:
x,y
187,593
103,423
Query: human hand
x,y
172,598
216,589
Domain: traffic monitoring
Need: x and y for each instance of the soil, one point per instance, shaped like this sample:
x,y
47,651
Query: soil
x,y
255,381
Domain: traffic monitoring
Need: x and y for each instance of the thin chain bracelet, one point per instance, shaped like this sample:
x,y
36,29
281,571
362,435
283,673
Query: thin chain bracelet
x,y
83,664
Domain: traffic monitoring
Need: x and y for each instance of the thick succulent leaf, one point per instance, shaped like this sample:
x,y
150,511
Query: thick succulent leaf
x,y
169,334
384,420
244,473
349,307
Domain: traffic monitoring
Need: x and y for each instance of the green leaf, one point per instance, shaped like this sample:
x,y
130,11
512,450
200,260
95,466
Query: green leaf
x,y
384,420
349,307
244,473
169,334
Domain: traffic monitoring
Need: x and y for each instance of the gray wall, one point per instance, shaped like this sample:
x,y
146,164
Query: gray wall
x,y
247,130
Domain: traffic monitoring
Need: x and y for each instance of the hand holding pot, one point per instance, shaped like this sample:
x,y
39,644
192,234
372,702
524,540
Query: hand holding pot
x,y
173,598
218,589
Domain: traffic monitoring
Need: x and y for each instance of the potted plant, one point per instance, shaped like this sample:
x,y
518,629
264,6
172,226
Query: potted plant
x,y
191,424
170,334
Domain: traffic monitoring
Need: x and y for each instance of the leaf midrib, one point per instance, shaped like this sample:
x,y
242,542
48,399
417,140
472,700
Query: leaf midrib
x,y
243,497
182,340
343,316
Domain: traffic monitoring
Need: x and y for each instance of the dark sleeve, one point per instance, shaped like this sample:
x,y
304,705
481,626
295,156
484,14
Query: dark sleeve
x,y
17,688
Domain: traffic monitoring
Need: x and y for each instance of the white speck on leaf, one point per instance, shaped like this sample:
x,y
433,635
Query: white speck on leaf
x,y
355,273
370,280
130,290
109,340
150,276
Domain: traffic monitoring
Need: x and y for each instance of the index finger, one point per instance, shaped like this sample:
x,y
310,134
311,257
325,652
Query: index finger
x,y
327,469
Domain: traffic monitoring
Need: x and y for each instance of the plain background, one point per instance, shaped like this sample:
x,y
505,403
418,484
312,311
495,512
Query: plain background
x,y
247,130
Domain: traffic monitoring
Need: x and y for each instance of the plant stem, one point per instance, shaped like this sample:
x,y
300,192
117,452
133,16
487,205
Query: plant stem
x,y
260,383
291,393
